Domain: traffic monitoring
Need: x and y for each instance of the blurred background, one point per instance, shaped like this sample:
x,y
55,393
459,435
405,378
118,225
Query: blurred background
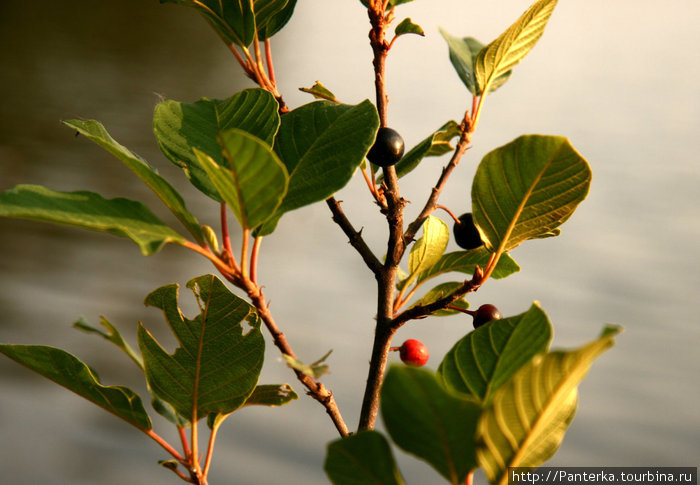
x,y
618,78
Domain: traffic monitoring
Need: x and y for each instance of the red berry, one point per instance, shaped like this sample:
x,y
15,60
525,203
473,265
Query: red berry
x,y
484,314
414,352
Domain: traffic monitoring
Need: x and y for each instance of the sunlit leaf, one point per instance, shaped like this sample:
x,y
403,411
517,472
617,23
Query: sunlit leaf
x,y
364,458
322,144
530,413
319,91
427,250
181,127
111,335
68,371
406,26
501,55
315,369
216,366
527,189
253,183
484,359
430,422
441,291
88,210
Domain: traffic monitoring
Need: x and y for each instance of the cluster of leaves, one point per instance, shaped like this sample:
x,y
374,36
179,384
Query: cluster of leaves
x,y
499,398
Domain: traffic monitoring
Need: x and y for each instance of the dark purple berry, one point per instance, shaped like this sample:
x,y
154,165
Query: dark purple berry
x,y
484,314
387,149
466,234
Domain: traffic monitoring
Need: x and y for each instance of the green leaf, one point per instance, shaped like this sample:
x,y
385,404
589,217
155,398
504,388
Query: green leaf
x,y
501,55
111,335
216,367
95,131
121,217
486,358
433,146
68,371
314,370
529,414
233,20
466,262
271,395
441,291
114,336
364,458
527,189
319,91
255,181
181,127
463,54
322,144
272,15
429,248
408,27
428,421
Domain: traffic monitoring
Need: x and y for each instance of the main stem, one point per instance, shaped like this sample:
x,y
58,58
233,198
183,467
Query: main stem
x,y
386,276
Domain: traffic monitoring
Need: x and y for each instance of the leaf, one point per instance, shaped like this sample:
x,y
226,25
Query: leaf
x,y
111,335
529,414
88,210
181,127
319,91
466,262
255,181
392,3
426,420
271,395
68,371
408,27
463,54
364,458
114,336
501,55
527,189
96,132
269,25
433,146
430,247
486,358
233,20
322,144
314,370
216,366
440,291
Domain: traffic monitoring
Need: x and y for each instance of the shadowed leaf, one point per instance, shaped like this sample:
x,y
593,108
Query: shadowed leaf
x,y
364,458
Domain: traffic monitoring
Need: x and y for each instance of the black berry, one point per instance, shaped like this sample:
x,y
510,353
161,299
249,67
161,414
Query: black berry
x,y
466,234
387,149
484,314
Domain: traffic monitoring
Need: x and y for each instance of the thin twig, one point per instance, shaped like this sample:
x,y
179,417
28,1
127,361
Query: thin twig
x,y
355,237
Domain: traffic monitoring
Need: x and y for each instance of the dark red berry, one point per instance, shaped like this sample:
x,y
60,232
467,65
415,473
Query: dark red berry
x,y
414,352
387,149
466,234
484,314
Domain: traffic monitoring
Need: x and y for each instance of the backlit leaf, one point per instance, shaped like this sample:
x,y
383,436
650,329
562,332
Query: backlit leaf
x,y
527,189
501,55
530,413
406,26
216,367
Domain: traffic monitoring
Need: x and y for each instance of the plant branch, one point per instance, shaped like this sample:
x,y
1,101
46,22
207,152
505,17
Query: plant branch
x,y
431,204
166,446
355,237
